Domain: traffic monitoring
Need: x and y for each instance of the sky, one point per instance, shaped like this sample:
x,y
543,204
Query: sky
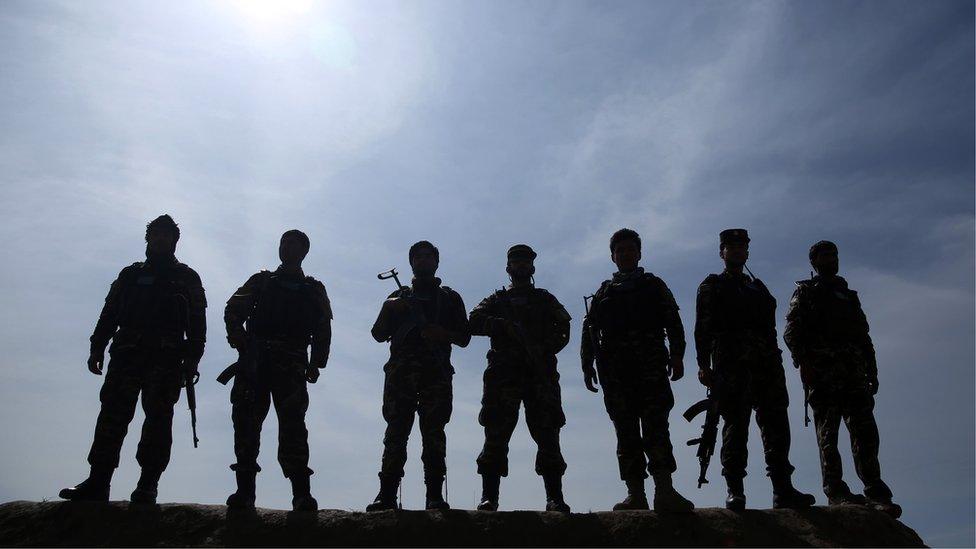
x,y
477,125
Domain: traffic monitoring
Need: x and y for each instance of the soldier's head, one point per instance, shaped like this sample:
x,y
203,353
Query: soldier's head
x,y
162,234
824,259
293,247
733,247
424,258
625,249
521,263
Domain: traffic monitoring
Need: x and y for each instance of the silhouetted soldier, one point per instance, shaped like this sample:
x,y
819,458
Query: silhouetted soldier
x,y
150,307
739,357
827,333
624,332
528,327
421,321
285,312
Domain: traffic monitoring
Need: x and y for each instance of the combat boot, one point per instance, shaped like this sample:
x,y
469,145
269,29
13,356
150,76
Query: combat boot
x,y
667,499
301,490
147,488
243,498
840,494
435,498
554,493
386,499
885,505
489,492
636,499
785,496
736,501
93,488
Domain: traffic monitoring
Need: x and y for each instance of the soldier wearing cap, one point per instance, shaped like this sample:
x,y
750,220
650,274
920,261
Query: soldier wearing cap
x,y
421,321
740,361
624,332
827,333
528,327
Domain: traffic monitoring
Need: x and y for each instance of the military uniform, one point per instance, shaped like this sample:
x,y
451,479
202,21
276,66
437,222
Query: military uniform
x,y
521,372
827,333
418,375
735,336
279,314
149,309
632,314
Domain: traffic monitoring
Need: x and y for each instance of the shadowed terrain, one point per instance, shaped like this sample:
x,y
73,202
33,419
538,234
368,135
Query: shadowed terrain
x,y
175,524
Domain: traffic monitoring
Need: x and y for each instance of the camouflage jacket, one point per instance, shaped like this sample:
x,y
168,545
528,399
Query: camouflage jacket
x,y
154,305
438,305
735,322
285,306
633,311
540,317
826,328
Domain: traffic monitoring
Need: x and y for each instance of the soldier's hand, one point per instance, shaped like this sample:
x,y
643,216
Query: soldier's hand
x,y
237,341
95,363
676,368
705,377
312,373
873,385
590,378
397,304
435,334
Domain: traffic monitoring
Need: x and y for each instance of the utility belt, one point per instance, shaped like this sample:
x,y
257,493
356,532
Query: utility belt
x,y
262,353
126,339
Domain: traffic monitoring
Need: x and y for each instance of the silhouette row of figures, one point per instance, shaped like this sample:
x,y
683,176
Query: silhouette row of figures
x,y
633,347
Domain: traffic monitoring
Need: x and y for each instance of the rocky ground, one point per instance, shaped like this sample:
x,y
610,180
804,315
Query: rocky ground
x,y
173,524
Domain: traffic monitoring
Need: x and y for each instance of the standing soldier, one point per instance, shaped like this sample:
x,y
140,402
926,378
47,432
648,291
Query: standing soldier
x,y
284,311
528,327
827,333
739,360
421,322
150,307
624,332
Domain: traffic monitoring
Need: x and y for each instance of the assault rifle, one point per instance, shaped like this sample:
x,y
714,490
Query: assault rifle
x,y
706,442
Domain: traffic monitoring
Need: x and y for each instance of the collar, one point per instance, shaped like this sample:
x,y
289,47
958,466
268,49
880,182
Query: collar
x,y
632,275
290,271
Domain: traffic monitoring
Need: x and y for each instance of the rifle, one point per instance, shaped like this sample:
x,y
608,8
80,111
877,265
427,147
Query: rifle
x,y
806,406
417,318
706,442
189,381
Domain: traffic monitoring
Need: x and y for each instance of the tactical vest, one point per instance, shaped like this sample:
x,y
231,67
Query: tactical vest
x,y
743,306
531,308
153,300
836,312
633,305
285,310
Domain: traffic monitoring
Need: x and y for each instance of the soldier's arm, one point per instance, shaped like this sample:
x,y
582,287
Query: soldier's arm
x,y
459,328
322,331
482,317
196,321
705,324
239,307
672,323
383,327
865,342
559,335
586,346
796,327
108,319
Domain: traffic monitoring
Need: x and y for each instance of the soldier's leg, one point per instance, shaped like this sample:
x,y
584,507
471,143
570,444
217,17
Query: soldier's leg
x,y
865,444
434,412
544,417
499,416
160,392
250,403
736,416
399,408
118,395
289,392
774,426
657,444
826,420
